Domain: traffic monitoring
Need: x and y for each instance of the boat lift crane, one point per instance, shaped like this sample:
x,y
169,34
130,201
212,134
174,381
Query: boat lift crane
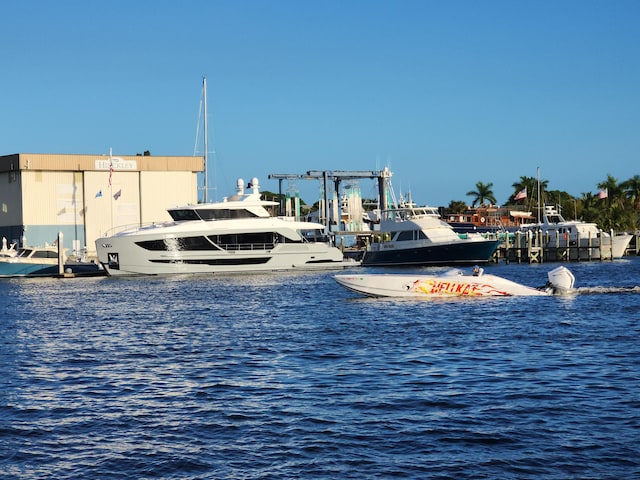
x,y
337,176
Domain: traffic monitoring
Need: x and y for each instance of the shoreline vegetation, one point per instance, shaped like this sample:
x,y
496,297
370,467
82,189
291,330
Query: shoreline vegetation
x,y
616,206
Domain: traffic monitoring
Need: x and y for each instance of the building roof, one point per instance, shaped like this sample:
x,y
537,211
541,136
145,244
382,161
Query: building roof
x,y
96,162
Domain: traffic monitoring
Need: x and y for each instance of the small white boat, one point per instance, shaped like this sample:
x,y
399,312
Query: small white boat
x,y
453,283
43,262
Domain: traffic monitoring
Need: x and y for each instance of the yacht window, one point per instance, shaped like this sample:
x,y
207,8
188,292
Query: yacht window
x,y
177,244
405,236
45,254
182,215
225,214
313,236
245,241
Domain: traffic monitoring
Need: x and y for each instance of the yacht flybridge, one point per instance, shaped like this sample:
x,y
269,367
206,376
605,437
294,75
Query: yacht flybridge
x,y
233,236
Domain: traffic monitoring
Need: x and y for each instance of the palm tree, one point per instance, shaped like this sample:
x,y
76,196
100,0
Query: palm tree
x,y
615,197
590,211
531,184
631,190
482,193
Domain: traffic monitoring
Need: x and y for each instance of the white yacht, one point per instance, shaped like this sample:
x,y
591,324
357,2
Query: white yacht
x,y
584,239
233,236
416,235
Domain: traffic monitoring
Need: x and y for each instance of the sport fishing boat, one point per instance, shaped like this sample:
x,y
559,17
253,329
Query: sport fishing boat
x,y
235,235
579,236
453,283
412,235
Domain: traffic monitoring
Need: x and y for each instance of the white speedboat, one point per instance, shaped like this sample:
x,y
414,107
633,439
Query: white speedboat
x,y
412,235
44,262
232,236
452,283
591,240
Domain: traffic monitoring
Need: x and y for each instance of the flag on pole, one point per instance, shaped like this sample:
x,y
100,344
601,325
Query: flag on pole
x,y
603,193
110,164
117,194
521,194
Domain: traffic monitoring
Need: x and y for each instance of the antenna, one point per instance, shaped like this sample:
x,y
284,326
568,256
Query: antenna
x,y
206,141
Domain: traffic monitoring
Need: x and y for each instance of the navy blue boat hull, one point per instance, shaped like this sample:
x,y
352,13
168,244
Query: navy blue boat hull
x,y
450,254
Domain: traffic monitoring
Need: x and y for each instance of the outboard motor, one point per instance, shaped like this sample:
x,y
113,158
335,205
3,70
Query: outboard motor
x,y
561,279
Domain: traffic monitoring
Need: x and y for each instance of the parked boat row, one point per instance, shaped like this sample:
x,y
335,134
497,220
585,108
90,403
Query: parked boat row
x,y
580,239
240,235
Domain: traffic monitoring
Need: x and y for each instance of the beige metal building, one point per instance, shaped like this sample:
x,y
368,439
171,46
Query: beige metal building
x,y
86,196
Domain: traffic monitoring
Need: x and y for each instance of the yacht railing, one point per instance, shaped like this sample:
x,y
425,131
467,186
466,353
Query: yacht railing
x,y
134,227
246,246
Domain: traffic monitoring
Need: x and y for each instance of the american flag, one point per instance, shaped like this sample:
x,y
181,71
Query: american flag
x,y
521,194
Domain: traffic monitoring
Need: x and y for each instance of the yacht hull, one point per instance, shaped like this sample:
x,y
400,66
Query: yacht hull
x,y
23,269
122,256
603,245
463,252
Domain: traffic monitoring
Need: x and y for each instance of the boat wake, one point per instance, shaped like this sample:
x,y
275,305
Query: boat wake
x,y
605,290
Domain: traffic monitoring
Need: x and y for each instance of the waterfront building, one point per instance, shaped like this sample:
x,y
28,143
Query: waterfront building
x,y
87,196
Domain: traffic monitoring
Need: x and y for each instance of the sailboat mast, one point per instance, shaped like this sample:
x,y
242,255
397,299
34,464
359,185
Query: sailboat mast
x,y
540,206
206,141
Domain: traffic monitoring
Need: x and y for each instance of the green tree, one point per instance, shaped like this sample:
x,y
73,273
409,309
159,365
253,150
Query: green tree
x,y
531,184
590,207
615,195
566,204
631,190
482,193
456,206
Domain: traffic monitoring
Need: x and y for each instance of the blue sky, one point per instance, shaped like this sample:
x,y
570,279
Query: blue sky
x,y
444,93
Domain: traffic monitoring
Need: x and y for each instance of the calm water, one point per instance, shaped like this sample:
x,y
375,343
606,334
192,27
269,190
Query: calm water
x,y
290,376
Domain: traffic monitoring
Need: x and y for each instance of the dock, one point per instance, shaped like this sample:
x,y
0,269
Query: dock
x,y
520,247
516,247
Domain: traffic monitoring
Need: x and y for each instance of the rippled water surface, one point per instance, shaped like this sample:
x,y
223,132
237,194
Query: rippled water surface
x,y
290,376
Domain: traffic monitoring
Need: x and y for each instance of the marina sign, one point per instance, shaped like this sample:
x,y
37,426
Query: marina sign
x,y
115,163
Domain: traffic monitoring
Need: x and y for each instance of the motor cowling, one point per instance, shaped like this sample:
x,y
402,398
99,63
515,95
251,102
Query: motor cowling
x,y
561,279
